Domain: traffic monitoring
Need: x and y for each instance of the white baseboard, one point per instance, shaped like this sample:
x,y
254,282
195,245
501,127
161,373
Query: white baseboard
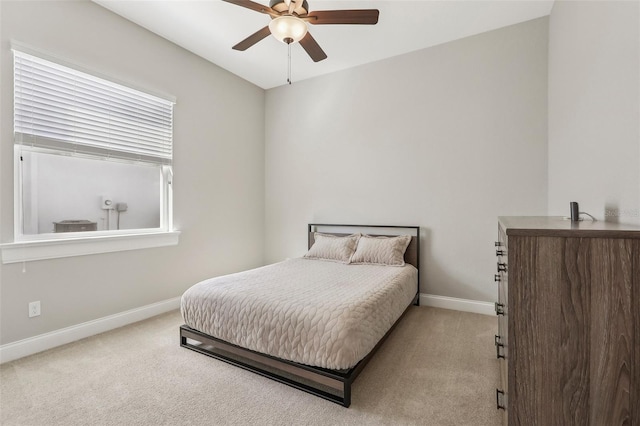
x,y
32,345
475,306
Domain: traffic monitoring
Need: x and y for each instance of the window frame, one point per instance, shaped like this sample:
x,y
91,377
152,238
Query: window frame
x,y
30,247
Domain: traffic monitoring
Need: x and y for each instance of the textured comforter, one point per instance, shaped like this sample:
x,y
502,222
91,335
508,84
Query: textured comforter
x,y
311,312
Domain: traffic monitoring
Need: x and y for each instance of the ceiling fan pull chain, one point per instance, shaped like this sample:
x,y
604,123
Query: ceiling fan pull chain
x,y
289,64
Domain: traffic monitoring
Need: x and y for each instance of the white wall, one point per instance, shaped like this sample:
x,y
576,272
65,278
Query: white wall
x,y
218,167
447,138
594,108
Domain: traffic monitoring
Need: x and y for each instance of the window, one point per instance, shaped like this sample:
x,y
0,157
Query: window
x,y
92,157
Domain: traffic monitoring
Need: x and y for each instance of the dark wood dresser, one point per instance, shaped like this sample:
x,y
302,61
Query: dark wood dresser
x,y
568,311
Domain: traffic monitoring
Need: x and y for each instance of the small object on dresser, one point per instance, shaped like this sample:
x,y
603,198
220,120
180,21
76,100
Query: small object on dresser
x,y
575,211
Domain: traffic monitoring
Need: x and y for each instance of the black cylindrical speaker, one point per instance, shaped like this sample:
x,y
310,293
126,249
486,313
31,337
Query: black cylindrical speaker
x,y
575,211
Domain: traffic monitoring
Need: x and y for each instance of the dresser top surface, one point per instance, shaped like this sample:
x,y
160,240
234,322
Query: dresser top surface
x,y
560,227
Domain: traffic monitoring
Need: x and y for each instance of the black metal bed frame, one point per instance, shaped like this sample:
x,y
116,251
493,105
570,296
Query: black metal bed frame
x,y
332,385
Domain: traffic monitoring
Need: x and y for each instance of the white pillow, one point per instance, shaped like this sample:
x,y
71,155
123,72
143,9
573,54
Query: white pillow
x,y
381,250
332,247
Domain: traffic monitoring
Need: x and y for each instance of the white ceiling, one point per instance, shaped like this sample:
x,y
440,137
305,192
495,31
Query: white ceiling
x,y
209,28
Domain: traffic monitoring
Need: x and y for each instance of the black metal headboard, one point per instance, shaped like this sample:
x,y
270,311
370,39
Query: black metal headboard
x,y
411,255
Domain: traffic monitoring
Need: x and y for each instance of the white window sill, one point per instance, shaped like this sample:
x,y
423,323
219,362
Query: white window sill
x,y
27,251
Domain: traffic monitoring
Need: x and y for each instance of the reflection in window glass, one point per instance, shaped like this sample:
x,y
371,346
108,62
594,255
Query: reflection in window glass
x,y
66,193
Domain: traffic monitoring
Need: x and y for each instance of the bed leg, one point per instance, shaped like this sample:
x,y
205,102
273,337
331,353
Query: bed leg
x,y
347,394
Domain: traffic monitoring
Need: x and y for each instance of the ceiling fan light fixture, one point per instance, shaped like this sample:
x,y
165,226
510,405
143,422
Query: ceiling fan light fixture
x,y
288,29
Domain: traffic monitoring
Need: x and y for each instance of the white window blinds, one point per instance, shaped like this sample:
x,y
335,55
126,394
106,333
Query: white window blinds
x,y
65,109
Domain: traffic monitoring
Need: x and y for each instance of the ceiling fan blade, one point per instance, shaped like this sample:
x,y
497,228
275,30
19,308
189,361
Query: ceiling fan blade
x,y
361,16
253,39
312,48
254,6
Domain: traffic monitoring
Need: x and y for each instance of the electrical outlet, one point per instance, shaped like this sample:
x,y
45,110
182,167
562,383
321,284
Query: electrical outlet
x,y
34,309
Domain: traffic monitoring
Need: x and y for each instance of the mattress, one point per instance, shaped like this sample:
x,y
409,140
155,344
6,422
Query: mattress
x,y
312,312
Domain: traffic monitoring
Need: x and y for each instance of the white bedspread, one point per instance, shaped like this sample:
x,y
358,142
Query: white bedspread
x,y
311,312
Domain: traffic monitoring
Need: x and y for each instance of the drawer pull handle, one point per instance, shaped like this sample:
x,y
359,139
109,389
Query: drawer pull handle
x,y
499,396
499,307
501,253
497,278
502,267
498,343
498,244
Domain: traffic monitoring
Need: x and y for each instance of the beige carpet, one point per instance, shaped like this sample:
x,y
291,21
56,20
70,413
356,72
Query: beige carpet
x,y
437,368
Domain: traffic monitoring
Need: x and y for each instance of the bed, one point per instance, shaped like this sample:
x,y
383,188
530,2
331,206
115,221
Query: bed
x,y
311,324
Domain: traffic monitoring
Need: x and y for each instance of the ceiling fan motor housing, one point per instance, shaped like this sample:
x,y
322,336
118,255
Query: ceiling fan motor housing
x,y
281,6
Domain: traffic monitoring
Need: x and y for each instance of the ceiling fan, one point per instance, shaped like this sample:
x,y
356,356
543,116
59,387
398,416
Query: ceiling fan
x,y
289,23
